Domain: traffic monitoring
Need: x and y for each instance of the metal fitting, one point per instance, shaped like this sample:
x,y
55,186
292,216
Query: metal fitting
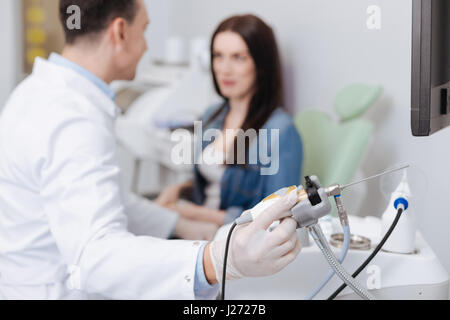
x,y
333,190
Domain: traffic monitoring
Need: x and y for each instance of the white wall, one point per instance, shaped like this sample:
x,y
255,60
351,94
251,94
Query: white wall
x,y
10,60
158,30
325,45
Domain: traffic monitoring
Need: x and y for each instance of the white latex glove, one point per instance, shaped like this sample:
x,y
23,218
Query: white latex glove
x,y
195,230
256,252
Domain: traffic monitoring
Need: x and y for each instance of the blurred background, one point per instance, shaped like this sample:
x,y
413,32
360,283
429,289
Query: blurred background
x,y
326,45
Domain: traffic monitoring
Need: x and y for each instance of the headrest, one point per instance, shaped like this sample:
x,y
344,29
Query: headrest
x,y
354,100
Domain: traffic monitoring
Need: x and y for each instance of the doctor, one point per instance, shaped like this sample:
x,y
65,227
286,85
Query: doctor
x,y
67,229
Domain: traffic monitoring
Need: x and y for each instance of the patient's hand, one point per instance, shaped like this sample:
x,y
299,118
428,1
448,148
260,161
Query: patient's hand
x,y
192,211
171,195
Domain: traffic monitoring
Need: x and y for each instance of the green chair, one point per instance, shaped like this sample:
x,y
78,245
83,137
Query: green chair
x,y
333,151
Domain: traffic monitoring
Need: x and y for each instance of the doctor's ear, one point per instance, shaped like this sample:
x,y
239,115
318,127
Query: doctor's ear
x,y
118,31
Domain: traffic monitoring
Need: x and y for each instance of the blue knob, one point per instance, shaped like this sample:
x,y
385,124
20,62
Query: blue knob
x,y
401,201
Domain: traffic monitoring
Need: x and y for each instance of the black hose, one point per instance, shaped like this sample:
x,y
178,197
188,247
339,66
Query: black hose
x,y
370,258
224,277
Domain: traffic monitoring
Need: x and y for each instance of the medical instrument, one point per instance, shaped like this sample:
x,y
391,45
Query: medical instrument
x,y
306,213
302,214
373,177
399,202
336,190
312,205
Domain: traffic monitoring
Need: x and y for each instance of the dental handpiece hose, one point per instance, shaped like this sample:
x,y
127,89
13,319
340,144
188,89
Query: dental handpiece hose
x,y
343,217
322,243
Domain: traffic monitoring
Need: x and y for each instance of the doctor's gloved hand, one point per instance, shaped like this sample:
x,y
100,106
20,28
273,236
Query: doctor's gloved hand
x,y
194,230
256,252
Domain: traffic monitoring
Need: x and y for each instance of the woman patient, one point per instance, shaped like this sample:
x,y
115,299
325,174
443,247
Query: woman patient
x,y
246,71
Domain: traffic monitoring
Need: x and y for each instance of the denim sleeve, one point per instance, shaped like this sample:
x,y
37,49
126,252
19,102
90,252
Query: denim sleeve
x,y
202,289
232,214
289,162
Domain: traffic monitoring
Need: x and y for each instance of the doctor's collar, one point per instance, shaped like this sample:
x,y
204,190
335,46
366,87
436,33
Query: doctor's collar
x,y
63,62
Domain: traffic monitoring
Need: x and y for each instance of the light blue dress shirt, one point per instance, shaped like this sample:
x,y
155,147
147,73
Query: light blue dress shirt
x,y
202,289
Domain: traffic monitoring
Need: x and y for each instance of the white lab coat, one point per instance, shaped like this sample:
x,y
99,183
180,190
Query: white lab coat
x,y
66,229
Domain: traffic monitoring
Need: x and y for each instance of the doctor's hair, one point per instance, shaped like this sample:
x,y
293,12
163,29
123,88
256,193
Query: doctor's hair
x,y
263,47
95,16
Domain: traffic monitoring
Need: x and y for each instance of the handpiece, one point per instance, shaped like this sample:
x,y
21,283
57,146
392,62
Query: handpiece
x,y
253,213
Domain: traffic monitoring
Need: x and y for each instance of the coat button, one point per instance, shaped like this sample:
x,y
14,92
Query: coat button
x,y
187,278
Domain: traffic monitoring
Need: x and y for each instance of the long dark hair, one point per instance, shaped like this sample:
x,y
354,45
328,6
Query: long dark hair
x,y
261,42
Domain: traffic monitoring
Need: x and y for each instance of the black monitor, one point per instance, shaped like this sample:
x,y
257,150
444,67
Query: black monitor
x,y
430,90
